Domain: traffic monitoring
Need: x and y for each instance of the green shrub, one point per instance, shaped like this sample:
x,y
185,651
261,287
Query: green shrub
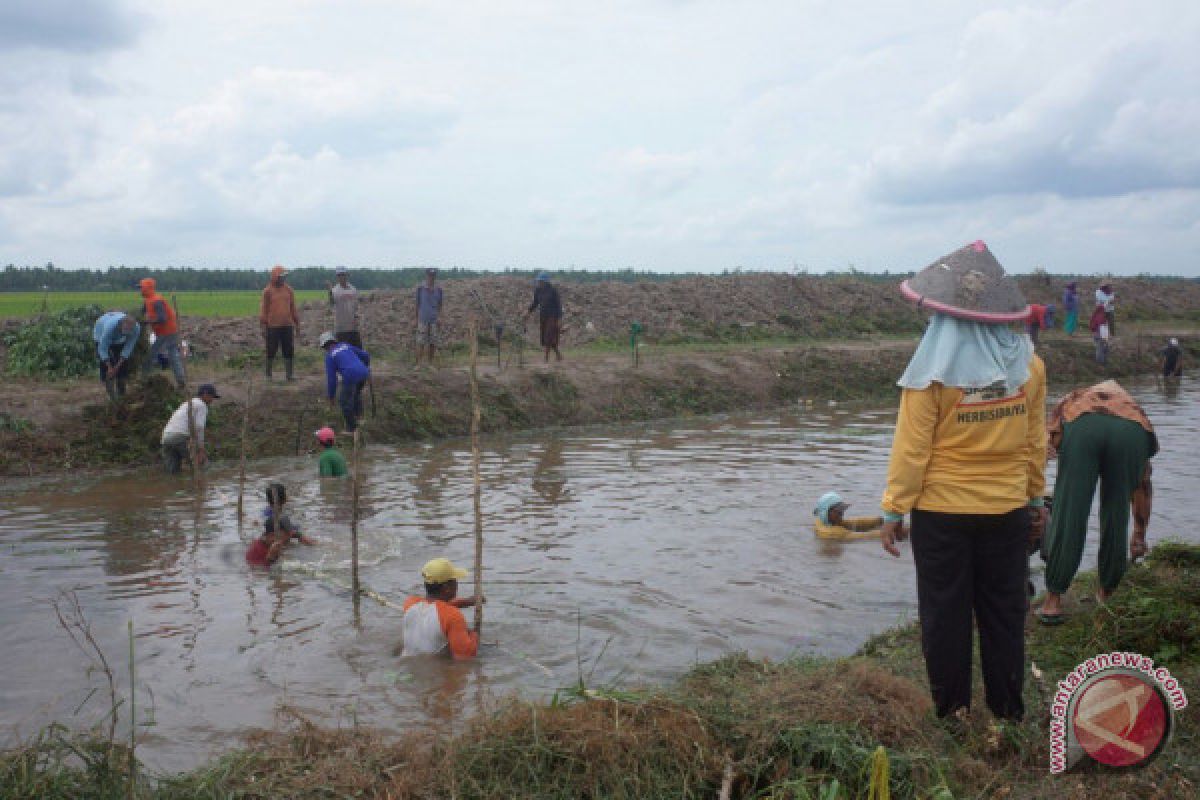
x,y
55,346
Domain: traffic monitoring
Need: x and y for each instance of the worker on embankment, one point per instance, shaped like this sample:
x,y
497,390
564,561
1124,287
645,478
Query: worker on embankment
x,y
266,549
1105,296
351,364
1100,434
278,317
115,334
1071,308
428,309
160,316
434,623
178,430
343,298
967,463
1098,325
549,306
331,463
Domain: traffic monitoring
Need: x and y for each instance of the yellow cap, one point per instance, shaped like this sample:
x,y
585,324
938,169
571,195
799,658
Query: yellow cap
x,y
440,570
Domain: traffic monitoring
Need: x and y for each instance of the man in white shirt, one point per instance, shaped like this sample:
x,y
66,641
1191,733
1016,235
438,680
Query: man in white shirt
x,y
343,298
178,429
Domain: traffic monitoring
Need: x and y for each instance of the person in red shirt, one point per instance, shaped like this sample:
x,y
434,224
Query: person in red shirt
x,y
266,549
433,623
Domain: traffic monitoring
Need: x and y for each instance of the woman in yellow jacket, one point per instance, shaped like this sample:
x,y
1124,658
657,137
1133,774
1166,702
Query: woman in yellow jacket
x,y
967,464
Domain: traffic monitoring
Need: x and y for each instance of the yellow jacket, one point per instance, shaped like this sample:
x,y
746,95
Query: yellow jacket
x,y
969,452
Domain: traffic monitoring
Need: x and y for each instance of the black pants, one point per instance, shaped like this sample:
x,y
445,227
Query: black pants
x,y
973,565
284,337
349,337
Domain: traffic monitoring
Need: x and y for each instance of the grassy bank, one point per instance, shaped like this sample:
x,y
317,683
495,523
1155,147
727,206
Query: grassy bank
x,y
806,728
413,405
193,303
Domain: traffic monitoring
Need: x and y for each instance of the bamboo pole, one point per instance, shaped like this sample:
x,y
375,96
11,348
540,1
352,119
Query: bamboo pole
x,y
242,458
472,333
132,719
356,481
192,444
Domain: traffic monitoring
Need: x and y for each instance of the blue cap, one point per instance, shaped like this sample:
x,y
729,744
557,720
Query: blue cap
x,y
543,277
826,504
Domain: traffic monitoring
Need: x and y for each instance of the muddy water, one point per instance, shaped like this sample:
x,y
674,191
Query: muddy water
x,y
625,554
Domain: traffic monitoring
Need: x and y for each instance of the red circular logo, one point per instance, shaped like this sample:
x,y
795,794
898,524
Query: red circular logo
x,y
1120,719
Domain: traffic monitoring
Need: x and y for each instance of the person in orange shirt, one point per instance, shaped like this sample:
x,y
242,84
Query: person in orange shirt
x,y
278,317
967,463
433,623
161,318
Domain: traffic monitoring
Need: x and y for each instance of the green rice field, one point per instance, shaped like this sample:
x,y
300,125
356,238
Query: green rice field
x,y
230,303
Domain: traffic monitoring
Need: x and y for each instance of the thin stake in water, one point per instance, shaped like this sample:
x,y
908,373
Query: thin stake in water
x,y
472,334
242,468
355,482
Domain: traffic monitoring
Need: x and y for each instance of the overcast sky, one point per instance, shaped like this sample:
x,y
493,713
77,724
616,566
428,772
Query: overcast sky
x,y
657,134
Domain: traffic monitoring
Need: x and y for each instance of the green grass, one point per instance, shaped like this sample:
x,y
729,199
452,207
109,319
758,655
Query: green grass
x,y
202,304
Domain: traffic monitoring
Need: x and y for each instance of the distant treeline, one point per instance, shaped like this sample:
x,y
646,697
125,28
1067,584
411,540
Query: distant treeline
x,y
35,279
24,279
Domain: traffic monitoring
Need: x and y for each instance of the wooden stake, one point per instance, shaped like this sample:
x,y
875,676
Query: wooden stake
x,y
242,468
191,421
356,481
132,786
472,334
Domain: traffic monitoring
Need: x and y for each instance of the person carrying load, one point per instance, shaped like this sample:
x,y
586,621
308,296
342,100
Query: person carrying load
x,y
353,365
115,334
967,463
831,521
159,315
433,623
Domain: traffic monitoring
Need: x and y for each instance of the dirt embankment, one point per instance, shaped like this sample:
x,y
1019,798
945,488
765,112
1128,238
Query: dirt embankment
x,y
420,404
694,309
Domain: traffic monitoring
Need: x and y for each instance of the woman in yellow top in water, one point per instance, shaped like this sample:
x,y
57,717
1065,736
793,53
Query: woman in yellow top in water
x,y
967,464
832,523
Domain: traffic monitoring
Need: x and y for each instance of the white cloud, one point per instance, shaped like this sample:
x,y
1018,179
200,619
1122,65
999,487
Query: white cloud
x,y
669,135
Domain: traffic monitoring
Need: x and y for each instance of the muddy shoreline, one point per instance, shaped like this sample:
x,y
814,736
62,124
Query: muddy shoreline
x,y
587,388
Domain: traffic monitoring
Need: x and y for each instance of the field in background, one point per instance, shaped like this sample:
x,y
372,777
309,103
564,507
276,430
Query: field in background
x,y
194,303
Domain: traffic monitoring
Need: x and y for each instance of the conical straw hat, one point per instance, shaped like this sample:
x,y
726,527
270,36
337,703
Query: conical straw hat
x,y
969,284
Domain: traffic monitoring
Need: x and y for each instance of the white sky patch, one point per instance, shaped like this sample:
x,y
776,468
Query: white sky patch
x,y
647,133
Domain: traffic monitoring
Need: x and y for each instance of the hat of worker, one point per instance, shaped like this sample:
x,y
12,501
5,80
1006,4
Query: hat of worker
x,y
969,284
340,271
543,277
431,270
828,502
278,271
207,388
326,338
440,570
1174,342
325,435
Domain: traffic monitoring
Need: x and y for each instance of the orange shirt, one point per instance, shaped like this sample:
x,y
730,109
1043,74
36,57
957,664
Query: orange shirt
x,y
278,308
463,643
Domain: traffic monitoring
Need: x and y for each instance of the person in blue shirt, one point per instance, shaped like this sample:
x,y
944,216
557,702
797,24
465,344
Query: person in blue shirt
x,y
116,334
353,365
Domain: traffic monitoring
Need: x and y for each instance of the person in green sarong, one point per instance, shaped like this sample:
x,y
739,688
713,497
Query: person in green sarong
x,y
1100,434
